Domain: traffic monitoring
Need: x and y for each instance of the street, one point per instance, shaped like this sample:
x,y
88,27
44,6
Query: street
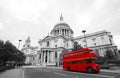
x,y
44,72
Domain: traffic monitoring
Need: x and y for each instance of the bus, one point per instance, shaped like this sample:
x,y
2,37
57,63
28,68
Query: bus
x,y
81,60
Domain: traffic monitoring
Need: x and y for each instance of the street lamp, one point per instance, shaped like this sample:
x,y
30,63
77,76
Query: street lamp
x,y
83,31
19,43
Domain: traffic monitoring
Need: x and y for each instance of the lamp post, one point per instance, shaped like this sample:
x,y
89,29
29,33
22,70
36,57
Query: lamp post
x,y
83,31
19,43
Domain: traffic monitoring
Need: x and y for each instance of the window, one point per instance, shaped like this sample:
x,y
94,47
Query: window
x,y
75,62
110,40
48,44
67,44
28,45
81,62
94,43
69,62
55,45
85,45
90,60
93,39
23,45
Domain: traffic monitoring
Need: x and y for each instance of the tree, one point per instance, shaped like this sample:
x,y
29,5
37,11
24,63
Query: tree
x,y
110,56
119,51
9,53
2,53
77,46
61,55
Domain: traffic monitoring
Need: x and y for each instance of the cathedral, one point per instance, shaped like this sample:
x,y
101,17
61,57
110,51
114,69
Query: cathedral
x,y
62,38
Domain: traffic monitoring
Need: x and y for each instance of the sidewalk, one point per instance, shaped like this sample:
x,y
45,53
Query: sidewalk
x,y
108,70
13,73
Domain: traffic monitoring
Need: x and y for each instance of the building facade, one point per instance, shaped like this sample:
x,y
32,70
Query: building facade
x,y
50,48
61,38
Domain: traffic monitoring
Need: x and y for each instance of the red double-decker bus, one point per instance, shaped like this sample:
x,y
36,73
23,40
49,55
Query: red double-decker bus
x,y
81,60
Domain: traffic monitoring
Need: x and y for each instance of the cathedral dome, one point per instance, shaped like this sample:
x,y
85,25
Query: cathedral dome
x,y
62,28
62,25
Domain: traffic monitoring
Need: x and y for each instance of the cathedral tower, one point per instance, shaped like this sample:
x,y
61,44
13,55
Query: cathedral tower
x,y
27,42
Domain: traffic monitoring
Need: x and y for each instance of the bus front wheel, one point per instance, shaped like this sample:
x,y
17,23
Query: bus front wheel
x,y
90,70
68,68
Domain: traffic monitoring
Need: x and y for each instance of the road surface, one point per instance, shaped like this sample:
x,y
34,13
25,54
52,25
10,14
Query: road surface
x,y
44,72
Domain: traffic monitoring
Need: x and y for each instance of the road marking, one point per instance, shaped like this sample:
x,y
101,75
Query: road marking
x,y
60,74
23,75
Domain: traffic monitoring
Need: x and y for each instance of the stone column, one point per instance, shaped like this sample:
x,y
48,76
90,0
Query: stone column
x,y
65,32
47,56
59,32
50,56
55,33
69,33
44,56
41,57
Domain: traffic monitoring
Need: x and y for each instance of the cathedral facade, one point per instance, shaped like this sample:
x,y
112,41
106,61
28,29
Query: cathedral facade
x,y
61,38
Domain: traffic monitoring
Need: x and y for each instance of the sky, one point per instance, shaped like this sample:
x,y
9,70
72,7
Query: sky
x,y
36,18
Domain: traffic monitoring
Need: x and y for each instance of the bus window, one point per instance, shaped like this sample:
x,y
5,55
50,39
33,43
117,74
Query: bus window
x,y
90,60
69,62
74,62
81,62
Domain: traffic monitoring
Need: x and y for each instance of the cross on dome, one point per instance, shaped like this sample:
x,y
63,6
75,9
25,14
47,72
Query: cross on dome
x,y
61,18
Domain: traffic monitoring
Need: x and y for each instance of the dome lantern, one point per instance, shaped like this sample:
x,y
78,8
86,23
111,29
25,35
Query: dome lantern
x,y
61,18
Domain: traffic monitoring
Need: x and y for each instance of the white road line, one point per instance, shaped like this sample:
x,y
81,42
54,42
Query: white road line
x,y
23,74
60,74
